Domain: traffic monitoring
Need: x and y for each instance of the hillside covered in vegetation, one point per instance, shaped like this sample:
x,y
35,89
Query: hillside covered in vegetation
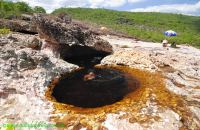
x,y
144,26
10,9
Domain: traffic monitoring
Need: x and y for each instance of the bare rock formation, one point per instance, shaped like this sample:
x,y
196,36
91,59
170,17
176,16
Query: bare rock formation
x,y
180,68
24,76
60,34
23,24
25,41
26,70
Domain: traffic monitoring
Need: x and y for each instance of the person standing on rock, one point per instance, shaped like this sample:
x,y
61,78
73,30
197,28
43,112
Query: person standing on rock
x,y
164,43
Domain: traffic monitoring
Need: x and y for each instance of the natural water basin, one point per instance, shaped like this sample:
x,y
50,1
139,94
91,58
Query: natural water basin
x,y
107,86
143,87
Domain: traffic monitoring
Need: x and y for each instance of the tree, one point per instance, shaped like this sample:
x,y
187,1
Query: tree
x,y
11,10
23,7
38,9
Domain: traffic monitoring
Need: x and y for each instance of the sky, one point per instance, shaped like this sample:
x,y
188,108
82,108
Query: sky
x,y
188,7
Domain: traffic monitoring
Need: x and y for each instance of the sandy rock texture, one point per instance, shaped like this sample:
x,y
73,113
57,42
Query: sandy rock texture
x,y
24,75
27,69
30,62
180,67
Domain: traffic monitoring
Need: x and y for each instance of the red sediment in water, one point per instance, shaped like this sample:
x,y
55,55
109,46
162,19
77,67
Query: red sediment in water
x,y
150,84
107,87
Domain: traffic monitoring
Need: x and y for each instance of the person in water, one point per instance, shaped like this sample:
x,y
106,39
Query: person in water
x,y
89,76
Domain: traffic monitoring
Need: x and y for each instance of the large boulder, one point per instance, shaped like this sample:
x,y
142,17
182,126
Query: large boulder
x,y
19,25
60,34
25,40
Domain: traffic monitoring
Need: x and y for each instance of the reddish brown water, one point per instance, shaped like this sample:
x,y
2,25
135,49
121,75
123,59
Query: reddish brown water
x,y
151,84
107,87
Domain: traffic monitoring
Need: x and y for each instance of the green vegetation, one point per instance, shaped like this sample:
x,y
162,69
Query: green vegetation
x,y
4,31
38,9
10,10
144,26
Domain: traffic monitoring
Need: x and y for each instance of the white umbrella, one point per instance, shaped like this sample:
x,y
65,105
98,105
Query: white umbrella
x,y
170,33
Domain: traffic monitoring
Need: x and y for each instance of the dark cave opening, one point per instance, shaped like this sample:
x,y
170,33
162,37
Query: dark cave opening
x,y
83,56
27,32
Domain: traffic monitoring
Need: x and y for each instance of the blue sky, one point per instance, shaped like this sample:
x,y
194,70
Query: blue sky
x,y
189,7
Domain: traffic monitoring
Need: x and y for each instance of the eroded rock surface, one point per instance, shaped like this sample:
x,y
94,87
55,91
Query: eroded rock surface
x,y
19,25
28,63
60,35
24,75
179,66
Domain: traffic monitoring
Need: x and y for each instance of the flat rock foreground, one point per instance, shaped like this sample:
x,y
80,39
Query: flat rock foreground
x,y
168,97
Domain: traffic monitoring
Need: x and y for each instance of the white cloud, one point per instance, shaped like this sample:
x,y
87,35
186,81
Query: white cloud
x,y
135,1
50,5
190,9
106,3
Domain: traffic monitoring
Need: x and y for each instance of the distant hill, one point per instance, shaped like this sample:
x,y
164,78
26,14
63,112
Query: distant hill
x,y
144,26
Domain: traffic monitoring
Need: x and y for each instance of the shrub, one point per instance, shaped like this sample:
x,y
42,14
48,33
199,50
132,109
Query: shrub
x,y
4,31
